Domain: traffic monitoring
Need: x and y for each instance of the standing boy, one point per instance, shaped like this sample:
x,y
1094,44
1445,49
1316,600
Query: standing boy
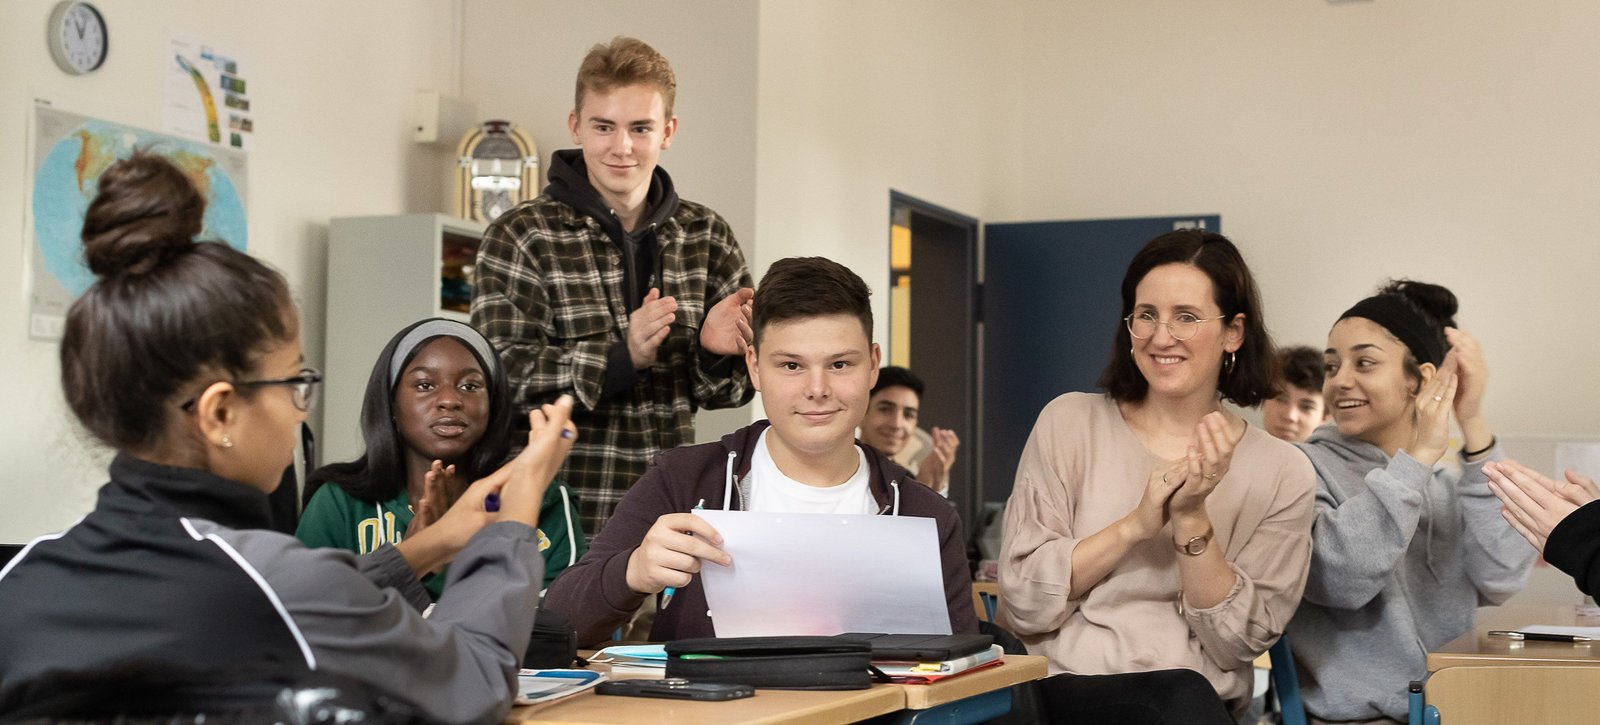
x,y
611,288
814,362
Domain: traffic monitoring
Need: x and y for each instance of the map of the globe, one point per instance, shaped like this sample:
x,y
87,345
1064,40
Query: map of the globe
x,y
68,175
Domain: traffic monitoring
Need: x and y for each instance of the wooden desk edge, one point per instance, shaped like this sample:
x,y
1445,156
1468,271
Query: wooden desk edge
x,y
840,706
1016,670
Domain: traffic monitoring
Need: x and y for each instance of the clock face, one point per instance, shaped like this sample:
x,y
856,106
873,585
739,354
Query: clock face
x,y
78,38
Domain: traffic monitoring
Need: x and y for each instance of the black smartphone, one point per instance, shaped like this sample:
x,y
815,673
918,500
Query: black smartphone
x,y
676,688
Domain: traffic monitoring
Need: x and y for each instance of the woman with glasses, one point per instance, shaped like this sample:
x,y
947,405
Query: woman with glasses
x,y
171,596
437,413
1155,544
1405,551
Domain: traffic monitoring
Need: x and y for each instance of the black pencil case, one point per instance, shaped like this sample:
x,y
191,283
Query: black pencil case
x,y
781,663
922,647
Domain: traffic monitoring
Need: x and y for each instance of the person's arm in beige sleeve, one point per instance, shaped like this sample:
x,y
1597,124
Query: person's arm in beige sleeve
x,y
1269,576
1045,569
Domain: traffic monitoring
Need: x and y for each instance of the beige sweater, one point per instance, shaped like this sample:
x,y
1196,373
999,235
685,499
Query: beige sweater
x,y
1082,470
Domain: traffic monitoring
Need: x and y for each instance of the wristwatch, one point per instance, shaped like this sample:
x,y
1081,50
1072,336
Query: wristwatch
x,y
1195,546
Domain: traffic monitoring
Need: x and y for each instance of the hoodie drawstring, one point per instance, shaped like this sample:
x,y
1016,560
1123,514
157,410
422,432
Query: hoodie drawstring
x,y
896,486
727,483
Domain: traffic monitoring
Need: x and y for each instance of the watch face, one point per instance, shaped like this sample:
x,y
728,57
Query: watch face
x,y
1196,546
78,38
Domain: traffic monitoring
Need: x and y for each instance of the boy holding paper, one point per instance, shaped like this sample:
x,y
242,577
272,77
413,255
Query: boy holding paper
x,y
814,362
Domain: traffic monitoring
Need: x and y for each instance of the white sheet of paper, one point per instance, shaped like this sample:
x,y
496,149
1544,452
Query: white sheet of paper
x,y
825,574
1590,632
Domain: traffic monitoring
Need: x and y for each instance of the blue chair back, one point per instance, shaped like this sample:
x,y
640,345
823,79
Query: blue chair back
x,y
1286,683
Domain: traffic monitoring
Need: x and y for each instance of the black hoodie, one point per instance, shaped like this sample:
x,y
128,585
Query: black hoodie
x,y
569,184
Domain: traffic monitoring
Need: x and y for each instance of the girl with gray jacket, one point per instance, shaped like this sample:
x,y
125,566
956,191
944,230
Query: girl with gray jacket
x,y
1403,551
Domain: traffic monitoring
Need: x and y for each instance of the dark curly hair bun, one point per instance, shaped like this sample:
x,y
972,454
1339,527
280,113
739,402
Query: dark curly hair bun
x,y
146,213
1435,302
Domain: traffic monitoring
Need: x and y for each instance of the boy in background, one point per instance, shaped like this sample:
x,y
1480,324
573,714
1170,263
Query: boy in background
x,y
1299,406
891,427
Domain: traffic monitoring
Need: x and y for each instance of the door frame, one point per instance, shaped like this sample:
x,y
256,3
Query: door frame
x,y
968,498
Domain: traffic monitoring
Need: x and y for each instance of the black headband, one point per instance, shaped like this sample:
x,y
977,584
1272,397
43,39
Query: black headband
x,y
1394,314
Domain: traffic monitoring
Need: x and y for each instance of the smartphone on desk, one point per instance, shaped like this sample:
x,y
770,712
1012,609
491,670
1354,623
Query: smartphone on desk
x,y
676,688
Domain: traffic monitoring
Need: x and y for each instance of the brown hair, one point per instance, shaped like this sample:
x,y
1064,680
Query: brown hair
x,y
165,309
624,62
1301,367
1254,374
801,287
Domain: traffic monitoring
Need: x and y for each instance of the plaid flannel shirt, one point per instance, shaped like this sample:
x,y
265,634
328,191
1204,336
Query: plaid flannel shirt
x,y
548,293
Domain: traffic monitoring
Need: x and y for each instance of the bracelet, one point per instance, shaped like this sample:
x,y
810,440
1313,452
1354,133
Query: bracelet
x,y
1493,440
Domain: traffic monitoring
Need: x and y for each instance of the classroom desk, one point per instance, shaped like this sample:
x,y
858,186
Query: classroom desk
x,y
1477,649
782,706
1480,680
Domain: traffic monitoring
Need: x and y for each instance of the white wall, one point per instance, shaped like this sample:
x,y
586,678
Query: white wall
x,y
857,99
1342,144
521,63
332,111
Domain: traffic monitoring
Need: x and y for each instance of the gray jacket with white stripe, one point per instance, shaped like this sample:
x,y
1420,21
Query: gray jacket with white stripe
x,y
171,573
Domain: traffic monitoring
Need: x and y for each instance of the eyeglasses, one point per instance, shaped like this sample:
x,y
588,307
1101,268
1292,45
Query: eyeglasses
x,y
303,388
1142,325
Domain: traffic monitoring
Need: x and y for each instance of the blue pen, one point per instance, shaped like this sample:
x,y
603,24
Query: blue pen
x,y
666,594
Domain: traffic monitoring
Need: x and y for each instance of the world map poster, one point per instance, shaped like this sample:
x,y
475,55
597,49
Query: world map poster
x,y
70,152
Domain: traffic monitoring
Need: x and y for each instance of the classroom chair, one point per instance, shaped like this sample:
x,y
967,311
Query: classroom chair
x,y
986,599
1286,684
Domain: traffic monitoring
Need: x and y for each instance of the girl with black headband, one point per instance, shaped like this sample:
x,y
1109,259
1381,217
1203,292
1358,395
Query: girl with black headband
x,y
1404,551
436,414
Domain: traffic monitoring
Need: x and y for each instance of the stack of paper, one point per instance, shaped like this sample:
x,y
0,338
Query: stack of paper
x,y
637,659
925,672
535,686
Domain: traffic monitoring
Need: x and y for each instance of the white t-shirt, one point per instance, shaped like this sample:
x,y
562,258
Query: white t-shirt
x,y
772,491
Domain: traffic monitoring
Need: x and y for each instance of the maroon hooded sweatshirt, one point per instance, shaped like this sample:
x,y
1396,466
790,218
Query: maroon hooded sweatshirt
x,y
594,593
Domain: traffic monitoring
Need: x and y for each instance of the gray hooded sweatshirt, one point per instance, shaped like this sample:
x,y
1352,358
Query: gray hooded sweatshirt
x,y
1401,558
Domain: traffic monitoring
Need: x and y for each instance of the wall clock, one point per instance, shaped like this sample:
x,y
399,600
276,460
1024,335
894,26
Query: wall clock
x,y
77,36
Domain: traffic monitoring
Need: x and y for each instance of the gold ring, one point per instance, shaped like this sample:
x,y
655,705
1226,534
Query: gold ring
x,y
1438,398
1211,476
1164,477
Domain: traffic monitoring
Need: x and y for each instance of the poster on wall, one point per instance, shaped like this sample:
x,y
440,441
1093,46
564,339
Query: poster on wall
x,y
69,152
207,95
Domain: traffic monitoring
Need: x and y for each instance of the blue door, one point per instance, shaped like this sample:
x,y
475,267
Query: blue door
x,y
1050,311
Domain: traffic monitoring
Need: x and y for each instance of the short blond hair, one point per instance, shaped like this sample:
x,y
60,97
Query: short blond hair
x,y
624,62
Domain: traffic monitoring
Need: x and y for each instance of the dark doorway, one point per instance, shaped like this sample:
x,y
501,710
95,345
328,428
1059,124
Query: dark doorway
x,y
933,326
1050,310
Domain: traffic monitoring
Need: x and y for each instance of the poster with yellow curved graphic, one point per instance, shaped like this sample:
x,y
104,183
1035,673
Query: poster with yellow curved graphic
x,y
207,95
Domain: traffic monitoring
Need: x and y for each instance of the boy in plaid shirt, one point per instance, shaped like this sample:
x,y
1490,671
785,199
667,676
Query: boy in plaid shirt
x,y
611,288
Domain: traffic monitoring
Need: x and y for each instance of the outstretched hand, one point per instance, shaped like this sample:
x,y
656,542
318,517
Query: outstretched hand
x,y
1434,403
727,327
1532,503
524,479
1146,519
1210,454
649,326
671,552
438,494
934,471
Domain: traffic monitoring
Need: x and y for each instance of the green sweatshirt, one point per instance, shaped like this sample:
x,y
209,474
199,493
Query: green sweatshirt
x,y
335,519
